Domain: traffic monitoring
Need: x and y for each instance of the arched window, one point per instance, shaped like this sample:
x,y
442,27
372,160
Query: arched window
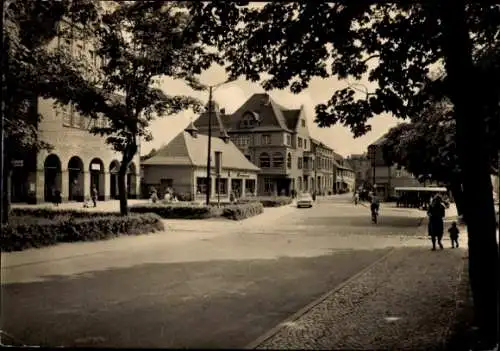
x,y
278,160
289,161
264,160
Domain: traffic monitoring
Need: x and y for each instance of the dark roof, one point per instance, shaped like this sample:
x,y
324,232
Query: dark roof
x,y
270,113
186,150
291,118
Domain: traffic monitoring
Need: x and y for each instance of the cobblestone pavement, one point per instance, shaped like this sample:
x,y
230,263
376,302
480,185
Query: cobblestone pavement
x,y
228,281
405,301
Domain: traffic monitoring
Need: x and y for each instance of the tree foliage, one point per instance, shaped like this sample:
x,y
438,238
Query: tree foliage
x,y
28,28
139,42
395,46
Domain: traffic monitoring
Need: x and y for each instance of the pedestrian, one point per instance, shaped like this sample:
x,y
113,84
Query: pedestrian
x,y
94,195
454,235
436,215
57,197
356,198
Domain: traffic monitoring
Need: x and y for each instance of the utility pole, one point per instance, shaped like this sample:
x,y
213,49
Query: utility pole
x,y
209,186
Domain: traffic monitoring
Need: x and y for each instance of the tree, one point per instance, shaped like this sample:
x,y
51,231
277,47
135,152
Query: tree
x,y
28,27
426,148
140,42
395,46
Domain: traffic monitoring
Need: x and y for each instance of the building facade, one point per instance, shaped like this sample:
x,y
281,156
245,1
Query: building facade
x,y
277,140
386,178
344,177
181,165
321,160
78,160
362,169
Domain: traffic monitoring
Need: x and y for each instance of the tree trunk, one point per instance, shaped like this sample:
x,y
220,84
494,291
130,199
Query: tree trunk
x,y
6,179
469,101
458,196
122,190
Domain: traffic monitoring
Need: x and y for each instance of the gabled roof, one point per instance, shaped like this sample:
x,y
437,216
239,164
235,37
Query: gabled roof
x,y
185,149
270,113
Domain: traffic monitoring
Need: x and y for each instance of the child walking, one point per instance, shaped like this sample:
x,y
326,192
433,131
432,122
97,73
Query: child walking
x,y
454,235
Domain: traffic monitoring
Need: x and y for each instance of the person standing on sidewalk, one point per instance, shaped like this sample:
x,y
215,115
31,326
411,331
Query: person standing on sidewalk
x,y
94,195
436,215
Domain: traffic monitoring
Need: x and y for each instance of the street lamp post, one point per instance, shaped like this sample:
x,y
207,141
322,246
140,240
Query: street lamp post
x,y
209,153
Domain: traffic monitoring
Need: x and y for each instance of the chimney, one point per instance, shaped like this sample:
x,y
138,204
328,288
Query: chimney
x,y
192,130
224,136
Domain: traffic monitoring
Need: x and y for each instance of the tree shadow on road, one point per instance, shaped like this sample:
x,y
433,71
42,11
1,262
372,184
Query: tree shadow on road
x,y
218,303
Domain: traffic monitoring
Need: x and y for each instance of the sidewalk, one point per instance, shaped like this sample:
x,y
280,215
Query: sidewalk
x,y
407,300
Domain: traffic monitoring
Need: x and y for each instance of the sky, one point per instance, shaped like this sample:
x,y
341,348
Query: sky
x,y
232,95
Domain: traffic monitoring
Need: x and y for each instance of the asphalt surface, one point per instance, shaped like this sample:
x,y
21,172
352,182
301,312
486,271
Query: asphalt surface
x,y
201,284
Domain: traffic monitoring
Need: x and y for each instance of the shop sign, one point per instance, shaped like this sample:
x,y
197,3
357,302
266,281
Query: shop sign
x,y
17,163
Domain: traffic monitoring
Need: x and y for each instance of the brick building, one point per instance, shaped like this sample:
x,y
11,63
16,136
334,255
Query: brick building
x,y
278,141
182,166
78,159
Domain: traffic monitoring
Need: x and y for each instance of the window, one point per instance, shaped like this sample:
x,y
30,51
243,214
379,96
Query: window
x,y
278,160
299,142
300,162
303,122
305,143
249,158
221,185
289,161
201,185
250,186
268,185
288,139
241,140
264,160
398,173
306,162
266,139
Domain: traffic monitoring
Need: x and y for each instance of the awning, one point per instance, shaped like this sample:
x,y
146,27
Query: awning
x,y
432,189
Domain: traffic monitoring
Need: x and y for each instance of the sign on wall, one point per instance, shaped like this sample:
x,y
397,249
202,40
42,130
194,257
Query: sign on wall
x,y
95,167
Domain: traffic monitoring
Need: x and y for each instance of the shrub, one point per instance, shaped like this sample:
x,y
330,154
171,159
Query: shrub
x,y
242,211
26,232
275,201
178,210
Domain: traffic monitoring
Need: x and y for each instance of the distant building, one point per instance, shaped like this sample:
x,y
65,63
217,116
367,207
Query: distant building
x,y
182,166
344,177
320,165
362,169
388,177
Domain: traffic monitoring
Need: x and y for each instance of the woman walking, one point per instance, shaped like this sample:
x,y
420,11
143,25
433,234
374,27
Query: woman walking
x,y
436,215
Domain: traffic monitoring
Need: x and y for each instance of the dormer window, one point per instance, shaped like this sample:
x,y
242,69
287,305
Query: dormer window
x,y
249,120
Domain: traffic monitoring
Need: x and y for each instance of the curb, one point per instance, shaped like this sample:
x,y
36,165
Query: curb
x,y
275,330
255,344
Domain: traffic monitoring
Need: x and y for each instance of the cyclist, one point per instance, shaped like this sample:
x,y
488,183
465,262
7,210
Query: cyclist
x,y
374,207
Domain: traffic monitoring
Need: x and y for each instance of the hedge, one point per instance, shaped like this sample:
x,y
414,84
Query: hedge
x,y
178,210
195,211
27,232
55,213
268,201
242,211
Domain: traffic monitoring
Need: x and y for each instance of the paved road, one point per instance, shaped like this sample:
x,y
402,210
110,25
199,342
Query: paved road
x,y
200,284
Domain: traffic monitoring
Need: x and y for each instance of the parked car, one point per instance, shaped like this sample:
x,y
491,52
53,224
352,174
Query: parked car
x,y
305,200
